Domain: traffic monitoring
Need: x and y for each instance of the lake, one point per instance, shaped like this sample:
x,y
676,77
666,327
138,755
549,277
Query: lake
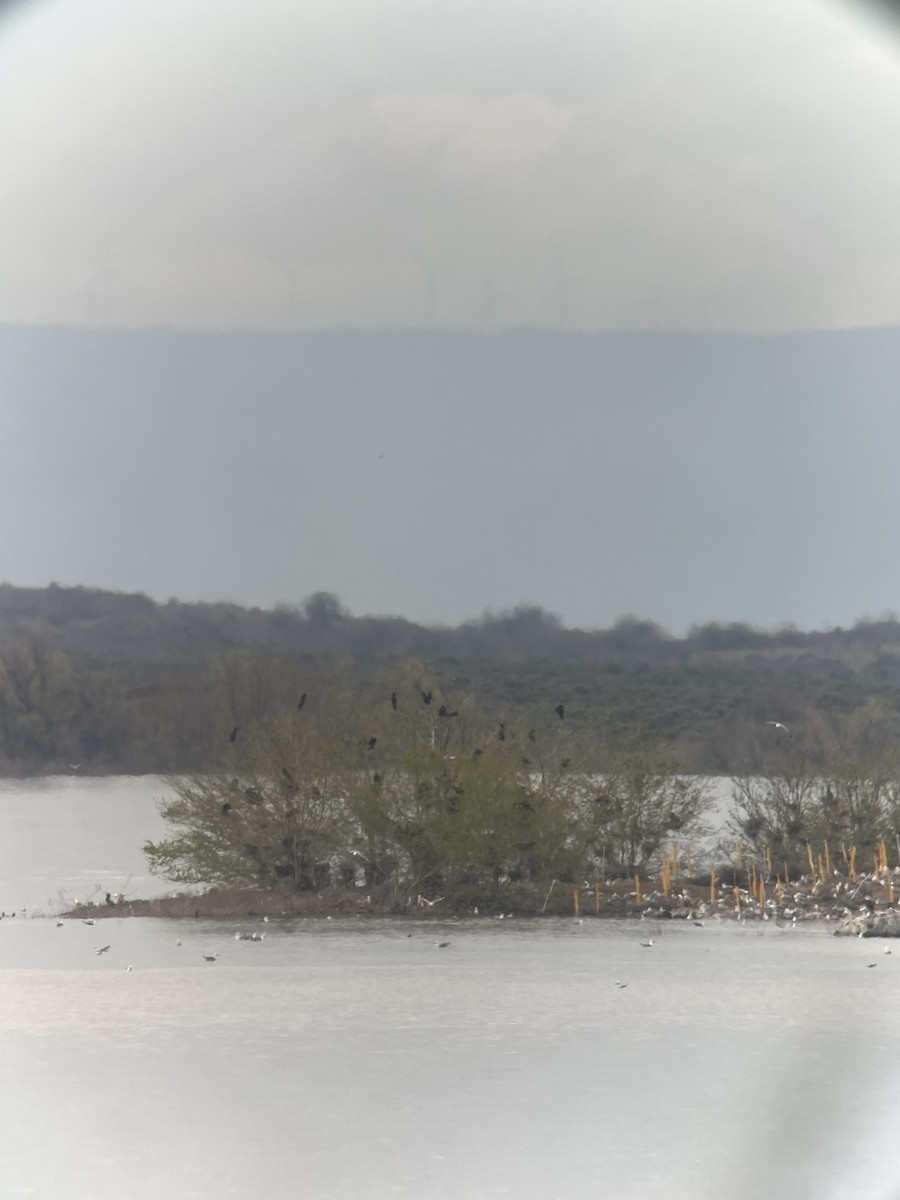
x,y
340,1058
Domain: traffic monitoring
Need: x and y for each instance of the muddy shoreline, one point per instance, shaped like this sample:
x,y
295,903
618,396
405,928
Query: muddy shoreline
x,y
862,907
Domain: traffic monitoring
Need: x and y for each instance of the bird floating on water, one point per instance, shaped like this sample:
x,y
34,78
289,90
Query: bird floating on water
x,y
88,921
442,945
647,945
211,957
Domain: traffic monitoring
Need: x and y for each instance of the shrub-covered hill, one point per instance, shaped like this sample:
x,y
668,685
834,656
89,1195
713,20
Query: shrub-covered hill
x,y
120,682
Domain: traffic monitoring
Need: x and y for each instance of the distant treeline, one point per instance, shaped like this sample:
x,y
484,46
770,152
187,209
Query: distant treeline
x,y
112,682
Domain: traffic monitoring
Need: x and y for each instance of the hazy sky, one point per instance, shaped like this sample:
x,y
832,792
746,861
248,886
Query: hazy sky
x,y
589,164
580,164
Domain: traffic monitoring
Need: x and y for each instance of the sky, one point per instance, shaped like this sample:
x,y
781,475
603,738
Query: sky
x,y
584,164
575,169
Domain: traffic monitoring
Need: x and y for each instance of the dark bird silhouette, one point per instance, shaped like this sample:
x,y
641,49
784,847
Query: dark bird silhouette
x,y
444,711
501,732
289,779
477,753
301,702
371,743
426,697
394,701
234,733
560,711
210,957
226,807
565,763
376,779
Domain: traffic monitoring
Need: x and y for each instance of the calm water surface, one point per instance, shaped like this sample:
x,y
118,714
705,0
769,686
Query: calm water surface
x,y
338,1059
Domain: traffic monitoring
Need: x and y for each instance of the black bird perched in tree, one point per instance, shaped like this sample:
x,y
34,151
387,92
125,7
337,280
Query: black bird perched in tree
x,y
501,732
444,711
371,743
301,702
560,711
234,733
426,697
394,701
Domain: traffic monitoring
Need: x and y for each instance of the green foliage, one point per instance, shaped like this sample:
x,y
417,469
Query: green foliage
x,y
422,798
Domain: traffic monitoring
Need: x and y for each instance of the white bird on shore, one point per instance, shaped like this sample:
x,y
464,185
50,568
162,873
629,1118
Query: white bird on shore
x,y
887,950
127,969
59,924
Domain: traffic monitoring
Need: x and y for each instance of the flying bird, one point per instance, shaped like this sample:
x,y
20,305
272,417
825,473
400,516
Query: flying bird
x,y
560,711
234,733
778,725
100,949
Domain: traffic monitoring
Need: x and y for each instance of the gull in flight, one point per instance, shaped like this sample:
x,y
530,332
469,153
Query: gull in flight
x,y
100,949
778,725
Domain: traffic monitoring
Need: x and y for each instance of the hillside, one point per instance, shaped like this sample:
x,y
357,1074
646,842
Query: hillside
x,y
121,682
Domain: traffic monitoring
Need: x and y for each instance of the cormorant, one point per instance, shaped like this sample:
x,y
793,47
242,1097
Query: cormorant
x,y
560,711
